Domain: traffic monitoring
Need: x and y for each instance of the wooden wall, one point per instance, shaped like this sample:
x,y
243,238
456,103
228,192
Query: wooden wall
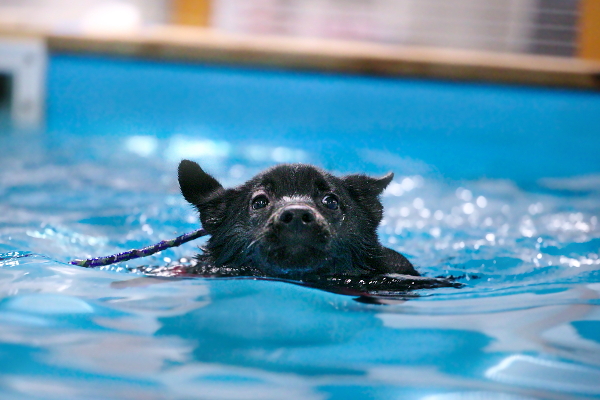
x,y
589,30
191,12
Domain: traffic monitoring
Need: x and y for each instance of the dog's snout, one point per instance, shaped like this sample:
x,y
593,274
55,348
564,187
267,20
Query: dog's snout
x,y
296,216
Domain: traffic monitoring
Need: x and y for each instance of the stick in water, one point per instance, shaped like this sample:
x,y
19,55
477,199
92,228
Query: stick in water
x,y
138,253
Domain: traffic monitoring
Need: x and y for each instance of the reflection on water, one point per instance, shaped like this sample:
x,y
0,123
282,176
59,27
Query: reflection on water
x,y
524,326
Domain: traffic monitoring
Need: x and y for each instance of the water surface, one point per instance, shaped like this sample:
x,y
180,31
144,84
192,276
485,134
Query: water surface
x,y
525,325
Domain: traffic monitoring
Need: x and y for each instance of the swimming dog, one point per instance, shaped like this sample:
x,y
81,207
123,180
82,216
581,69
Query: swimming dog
x,y
292,221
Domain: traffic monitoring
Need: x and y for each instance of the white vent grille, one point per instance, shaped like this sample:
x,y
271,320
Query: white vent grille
x,y
524,26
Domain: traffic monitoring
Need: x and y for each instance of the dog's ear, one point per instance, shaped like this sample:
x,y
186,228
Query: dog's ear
x,y
214,210
366,190
362,186
195,184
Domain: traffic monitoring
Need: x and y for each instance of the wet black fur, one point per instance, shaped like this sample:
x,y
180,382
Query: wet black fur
x,y
245,241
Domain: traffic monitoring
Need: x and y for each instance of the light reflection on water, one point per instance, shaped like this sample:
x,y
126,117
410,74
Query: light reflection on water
x,y
525,325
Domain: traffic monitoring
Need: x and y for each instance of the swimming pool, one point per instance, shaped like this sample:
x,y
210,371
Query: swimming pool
x,y
499,186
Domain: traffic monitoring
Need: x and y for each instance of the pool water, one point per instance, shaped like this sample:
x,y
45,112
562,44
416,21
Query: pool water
x,y
526,246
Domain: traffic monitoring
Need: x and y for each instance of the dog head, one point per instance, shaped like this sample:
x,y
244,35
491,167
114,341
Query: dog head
x,y
290,221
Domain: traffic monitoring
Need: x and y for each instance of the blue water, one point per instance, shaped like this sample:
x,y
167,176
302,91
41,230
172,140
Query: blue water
x,y
498,186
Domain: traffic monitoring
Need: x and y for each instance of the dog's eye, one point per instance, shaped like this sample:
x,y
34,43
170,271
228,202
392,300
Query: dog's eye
x,y
259,202
331,202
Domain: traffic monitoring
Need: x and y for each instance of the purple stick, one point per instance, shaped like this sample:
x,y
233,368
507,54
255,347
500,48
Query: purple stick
x,y
138,253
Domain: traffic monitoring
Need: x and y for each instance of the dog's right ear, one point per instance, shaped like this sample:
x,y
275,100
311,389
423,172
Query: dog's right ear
x,y
195,184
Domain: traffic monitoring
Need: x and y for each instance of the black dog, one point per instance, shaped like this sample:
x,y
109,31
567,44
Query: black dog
x,y
292,221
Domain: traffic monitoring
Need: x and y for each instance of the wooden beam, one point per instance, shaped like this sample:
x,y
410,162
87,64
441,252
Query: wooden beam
x,y
589,30
210,46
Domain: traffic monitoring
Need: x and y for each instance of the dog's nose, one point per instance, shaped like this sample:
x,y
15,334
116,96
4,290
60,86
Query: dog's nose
x,y
297,216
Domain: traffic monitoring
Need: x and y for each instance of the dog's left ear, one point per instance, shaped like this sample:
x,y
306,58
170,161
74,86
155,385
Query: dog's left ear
x,y
195,184
362,186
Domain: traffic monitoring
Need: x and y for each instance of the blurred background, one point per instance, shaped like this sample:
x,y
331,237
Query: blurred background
x,y
568,30
553,27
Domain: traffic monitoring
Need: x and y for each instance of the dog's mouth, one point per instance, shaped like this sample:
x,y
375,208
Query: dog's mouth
x,y
296,254
295,245
300,250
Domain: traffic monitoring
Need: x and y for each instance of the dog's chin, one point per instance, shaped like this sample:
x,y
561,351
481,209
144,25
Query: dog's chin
x,y
293,262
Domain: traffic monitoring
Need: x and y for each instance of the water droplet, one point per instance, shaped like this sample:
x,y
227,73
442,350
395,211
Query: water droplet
x,y
407,184
395,189
468,208
481,202
464,194
418,203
